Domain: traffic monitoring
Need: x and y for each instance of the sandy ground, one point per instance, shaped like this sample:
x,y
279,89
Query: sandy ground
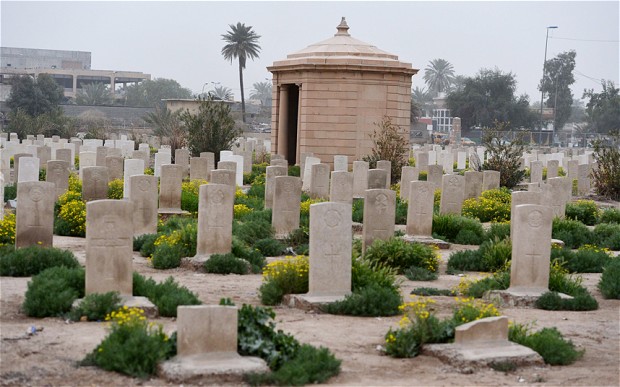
x,y
50,357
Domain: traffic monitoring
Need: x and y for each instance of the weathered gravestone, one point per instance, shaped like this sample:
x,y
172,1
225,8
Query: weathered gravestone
x,y
408,175
58,173
131,168
34,223
386,165
94,183
552,169
435,173
452,194
115,167
215,217
286,205
223,176
28,169
420,209
319,182
270,180
341,163
143,194
170,188
198,168
583,179
473,184
360,178
490,180
341,187
379,216
377,179
519,198
536,172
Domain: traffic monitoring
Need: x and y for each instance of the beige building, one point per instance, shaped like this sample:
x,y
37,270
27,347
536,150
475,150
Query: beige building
x,y
328,97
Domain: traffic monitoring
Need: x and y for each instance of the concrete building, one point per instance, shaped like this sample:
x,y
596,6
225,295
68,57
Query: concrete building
x,y
71,69
328,97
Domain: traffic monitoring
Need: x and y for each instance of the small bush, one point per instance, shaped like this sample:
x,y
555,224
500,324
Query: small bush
x,y
607,235
420,274
498,231
10,191
284,276
490,256
166,295
609,284
470,309
189,201
148,246
166,256
71,219
432,292
269,247
458,229
226,264
52,292
372,300
96,306
465,260
548,342
139,241
251,231
7,229
29,261
358,211
585,211
115,189
134,346
588,259
253,256
257,190
553,301
573,233
610,215
492,206
497,281
401,255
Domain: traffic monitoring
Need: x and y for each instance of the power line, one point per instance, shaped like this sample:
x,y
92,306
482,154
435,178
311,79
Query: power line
x,y
598,81
586,40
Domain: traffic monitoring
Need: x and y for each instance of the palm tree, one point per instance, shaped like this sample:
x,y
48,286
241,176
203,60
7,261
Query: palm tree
x,y
222,92
168,124
439,75
94,94
262,92
241,44
423,100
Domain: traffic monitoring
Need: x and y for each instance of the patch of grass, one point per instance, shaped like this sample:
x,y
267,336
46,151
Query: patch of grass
x,y
426,292
420,274
29,261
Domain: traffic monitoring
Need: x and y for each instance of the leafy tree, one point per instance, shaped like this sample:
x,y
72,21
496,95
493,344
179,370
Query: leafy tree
x,y
168,124
262,93
52,123
438,75
223,93
93,94
423,100
577,111
489,97
35,96
556,83
389,143
212,129
603,109
607,175
502,155
149,93
241,44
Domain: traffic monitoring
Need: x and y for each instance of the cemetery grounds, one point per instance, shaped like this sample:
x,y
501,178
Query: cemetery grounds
x,y
51,356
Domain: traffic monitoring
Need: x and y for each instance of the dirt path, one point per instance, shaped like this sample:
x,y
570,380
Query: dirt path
x,y
51,356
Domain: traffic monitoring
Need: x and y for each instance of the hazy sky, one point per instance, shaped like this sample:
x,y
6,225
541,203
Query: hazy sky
x,y
182,40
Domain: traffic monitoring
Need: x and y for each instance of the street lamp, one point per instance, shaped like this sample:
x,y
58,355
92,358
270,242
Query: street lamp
x,y
542,91
206,83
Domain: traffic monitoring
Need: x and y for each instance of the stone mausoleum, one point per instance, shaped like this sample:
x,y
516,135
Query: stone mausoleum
x,y
328,97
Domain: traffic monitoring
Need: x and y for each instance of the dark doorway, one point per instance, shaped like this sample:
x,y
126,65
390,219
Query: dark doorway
x,y
291,124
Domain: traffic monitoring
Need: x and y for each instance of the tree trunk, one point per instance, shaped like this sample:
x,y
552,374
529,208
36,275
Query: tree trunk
x,y
242,94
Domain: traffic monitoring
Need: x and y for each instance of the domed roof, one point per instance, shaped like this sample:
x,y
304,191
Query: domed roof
x,y
343,49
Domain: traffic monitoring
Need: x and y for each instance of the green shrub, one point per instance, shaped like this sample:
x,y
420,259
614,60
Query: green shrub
x,y
497,231
299,240
573,233
189,201
7,229
585,211
71,218
497,281
251,231
10,191
284,276
458,229
133,347
52,292
553,301
166,295
167,256
29,261
420,274
433,292
269,247
548,342
257,190
401,255
358,210
492,255
139,241
148,245
96,306
226,264
610,215
492,206
607,235
294,170
372,300
401,211
253,256
609,284
586,260
115,189
464,260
